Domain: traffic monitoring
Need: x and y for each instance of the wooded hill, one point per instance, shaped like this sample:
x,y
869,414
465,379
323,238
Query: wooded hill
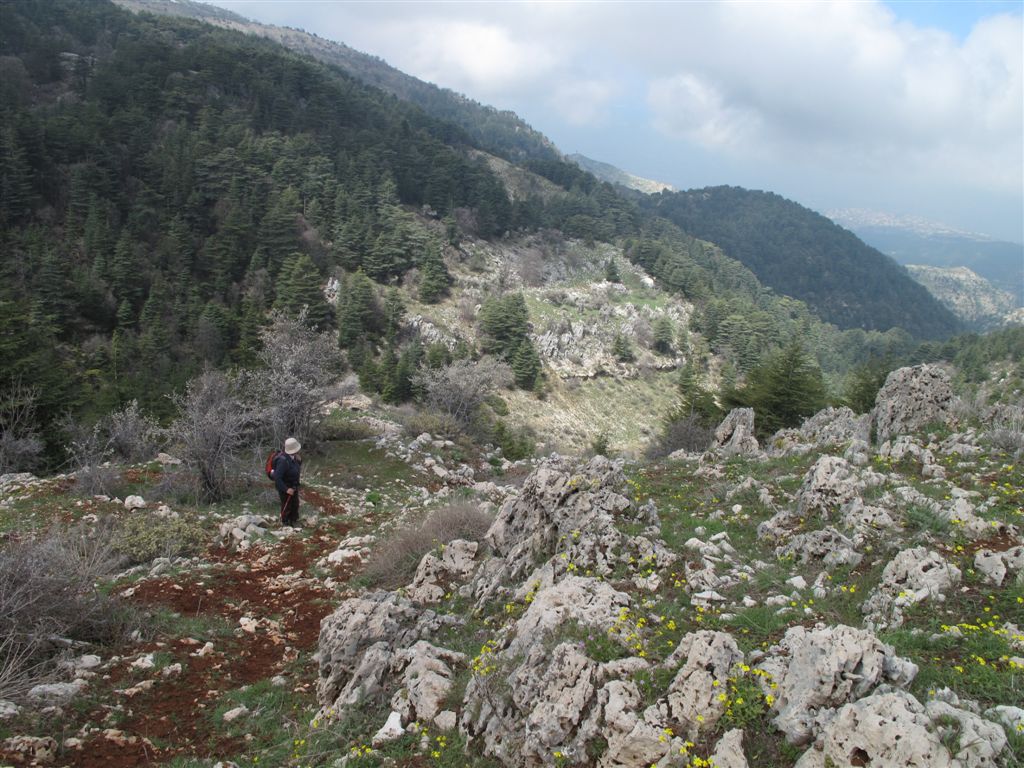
x,y
165,184
803,254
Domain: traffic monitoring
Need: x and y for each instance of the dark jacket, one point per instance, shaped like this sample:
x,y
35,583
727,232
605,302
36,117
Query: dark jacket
x,y
286,472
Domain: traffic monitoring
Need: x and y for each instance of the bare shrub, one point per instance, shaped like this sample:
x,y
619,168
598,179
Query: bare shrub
x,y
132,435
20,444
459,389
299,365
684,434
211,427
531,267
417,421
48,597
394,563
88,449
1007,431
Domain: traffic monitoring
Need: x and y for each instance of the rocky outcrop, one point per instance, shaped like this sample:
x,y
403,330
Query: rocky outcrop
x,y
358,644
571,518
911,399
438,571
830,427
828,545
735,435
893,728
816,671
912,576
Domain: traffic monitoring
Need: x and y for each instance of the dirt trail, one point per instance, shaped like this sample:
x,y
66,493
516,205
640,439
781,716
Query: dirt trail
x,y
268,593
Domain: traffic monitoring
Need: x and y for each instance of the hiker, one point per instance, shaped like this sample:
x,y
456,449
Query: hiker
x,y
287,467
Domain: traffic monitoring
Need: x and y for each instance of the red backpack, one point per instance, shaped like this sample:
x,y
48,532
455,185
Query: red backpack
x,y
269,468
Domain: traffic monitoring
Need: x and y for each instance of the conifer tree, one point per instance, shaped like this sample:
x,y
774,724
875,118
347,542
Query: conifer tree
x,y
621,349
611,272
663,335
434,278
359,313
298,288
525,365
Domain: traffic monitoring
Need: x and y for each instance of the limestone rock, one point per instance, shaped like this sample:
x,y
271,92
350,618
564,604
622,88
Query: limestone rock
x,y
729,751
995,566
358,642
819,670
893,728
586,601
55,694
912,576
827,545
31,749
521,716
910,399
710,658
134,502
828,427
8,709
435,574
233,714
391,730
427,675
735,435
980,742
573,516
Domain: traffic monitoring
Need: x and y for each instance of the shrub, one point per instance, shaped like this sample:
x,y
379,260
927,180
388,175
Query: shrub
x,y
20,444
142,538
132,435
393,564
687,433
48,596
461,388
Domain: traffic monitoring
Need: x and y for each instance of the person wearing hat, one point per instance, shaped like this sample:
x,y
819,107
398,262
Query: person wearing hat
x,y
287,468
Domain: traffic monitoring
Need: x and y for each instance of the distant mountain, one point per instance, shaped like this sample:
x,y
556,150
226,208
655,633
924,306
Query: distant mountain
x,y
500,132
971,297
611,174
914,241
802,254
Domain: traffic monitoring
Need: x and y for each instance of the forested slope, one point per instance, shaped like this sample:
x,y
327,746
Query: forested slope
x,y
803,254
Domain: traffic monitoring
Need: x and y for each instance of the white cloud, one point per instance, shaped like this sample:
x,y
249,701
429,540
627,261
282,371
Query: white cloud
x,y
582,102
827,91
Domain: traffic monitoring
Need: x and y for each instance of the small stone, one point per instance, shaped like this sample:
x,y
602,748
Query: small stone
x,y
233,714
134,502
446,720
390,731
143,662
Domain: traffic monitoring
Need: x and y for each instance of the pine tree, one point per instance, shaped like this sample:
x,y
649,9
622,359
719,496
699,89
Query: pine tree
x,y
621,349
298,289
504,323
434,278
783,389
359,317
526,365
611,272
663,335
15,178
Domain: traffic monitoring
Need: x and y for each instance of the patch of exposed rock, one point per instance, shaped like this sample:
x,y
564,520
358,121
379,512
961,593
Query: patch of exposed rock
x,y
571,519
735,435
913,576
894,728
828,486
911,399
817,671
358,645
830,427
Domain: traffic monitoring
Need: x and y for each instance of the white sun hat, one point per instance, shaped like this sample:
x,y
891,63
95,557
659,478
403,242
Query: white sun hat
x,y
292,446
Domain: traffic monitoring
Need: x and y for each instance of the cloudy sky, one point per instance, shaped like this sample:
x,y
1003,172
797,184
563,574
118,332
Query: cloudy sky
x,y
911,108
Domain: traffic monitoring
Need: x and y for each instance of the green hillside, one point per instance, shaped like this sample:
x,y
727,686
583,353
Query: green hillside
x,y
803,254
